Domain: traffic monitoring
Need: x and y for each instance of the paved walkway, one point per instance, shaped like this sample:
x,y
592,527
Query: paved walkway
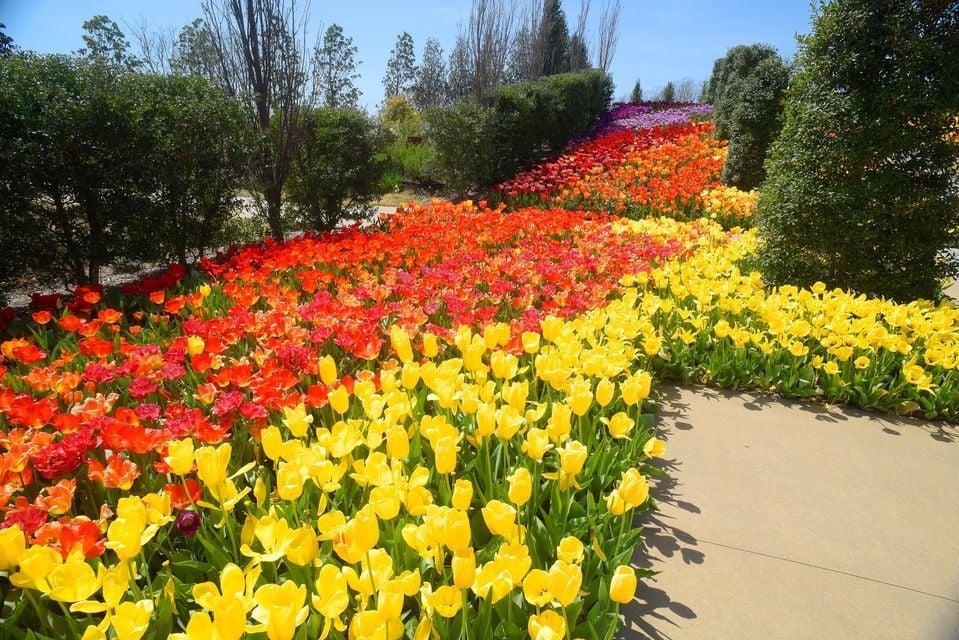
x,y
789,520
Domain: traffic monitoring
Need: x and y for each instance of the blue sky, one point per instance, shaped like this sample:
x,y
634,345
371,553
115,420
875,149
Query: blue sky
x,y
660,41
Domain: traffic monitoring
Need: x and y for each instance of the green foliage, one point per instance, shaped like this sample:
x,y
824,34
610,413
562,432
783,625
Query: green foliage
x,y
106,43
862,190
725,86
556,45
479,143
336,69
339,169
400,68
103,167
431,88
197,156
6,42
637,94
755,123
669,93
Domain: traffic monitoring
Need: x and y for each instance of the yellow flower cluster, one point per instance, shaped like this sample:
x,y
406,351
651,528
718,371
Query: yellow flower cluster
x,y
729,203
462,487
719,324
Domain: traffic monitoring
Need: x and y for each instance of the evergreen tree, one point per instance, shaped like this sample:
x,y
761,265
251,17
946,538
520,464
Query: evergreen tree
x,y
556,39
106,43
401,68
431,89
669,92
755,123
578,54
637,95
336,69
726,82
862,190
6,42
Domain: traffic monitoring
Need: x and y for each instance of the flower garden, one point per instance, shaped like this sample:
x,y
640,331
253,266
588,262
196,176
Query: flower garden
x,y
435,425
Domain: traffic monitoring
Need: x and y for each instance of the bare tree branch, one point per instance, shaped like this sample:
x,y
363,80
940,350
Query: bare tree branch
x,y
608,37
261,47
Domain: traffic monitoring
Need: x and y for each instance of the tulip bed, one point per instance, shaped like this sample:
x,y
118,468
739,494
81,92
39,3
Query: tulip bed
x,y
720,325
425,429
672,170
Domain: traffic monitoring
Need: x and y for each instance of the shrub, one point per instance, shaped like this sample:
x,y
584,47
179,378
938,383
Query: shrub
x,y
725,86
755,123
105,167
481,143
197,160
339,169
862,189
74,161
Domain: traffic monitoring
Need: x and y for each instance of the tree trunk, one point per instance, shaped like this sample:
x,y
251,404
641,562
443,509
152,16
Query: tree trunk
x,y
274,210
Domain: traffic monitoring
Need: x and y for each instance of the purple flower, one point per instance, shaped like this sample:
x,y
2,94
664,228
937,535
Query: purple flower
x,y
188,522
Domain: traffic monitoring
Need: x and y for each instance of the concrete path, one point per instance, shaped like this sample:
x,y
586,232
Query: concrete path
x,y
788,520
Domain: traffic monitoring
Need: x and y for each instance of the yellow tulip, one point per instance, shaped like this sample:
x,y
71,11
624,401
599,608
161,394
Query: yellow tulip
x,y
536,588
211,463
280,609
400,340
328,373
464,568
570,550
12,546
530,341
462,494
332,597
604,392
633,488
622,587
430,345
36,564
131,619
74,580
620,425
547,625
654,448
446,601
180,456
339,400
520,486
297,420
303,547
564,582
636,387
195,345
500,518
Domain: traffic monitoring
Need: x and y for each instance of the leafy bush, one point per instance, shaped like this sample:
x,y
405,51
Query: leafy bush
x,y
755,123
862,190
479,143
725,86
105,167
339,169
73,165
197,155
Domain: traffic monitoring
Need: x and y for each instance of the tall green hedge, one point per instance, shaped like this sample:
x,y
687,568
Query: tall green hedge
x,y
862,190
755,123
481,142
102,167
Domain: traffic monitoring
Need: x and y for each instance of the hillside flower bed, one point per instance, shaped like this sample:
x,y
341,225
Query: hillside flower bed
x,y
419,430
669,170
